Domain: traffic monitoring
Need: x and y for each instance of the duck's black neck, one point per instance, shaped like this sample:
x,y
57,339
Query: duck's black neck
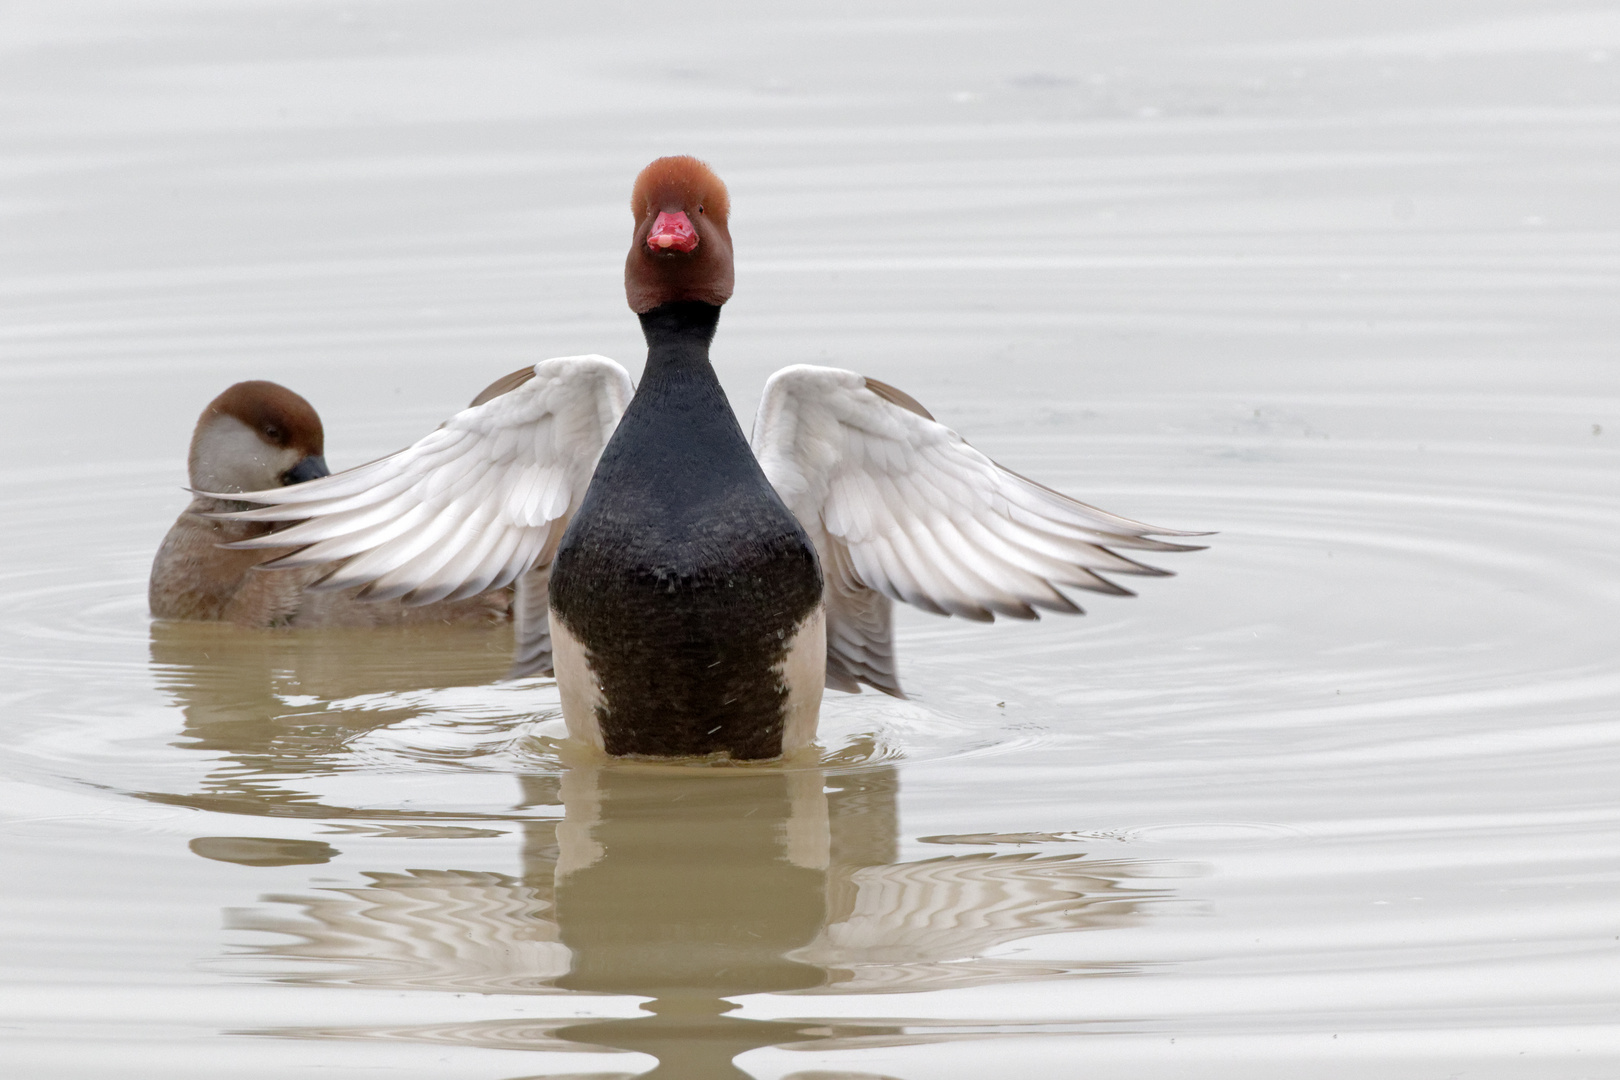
x,y
678,335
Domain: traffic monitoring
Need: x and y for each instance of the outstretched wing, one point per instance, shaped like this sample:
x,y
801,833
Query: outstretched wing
x,y
901,508
470,507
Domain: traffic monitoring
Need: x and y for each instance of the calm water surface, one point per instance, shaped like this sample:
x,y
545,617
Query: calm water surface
x,y
1338,281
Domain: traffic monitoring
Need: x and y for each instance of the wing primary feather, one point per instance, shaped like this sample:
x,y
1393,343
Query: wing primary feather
x,y
341,547
357,529
969,581
462,567
488,570
1120,524
997,538
401,565
520,557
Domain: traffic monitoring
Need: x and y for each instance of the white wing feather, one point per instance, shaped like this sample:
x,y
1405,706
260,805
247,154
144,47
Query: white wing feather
x,y
901,508
469,507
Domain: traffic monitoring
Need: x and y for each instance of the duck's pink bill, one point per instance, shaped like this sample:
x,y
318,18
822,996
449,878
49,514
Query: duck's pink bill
x,y
672,232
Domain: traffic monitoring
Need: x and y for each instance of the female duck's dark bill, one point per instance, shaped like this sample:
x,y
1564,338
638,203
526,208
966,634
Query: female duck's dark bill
x,y
309,468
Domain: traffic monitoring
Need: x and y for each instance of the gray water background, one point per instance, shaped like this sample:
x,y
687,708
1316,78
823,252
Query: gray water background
x,y
1337,280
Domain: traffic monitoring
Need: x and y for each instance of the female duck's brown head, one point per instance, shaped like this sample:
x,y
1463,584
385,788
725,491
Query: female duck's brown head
x,y
682,248
256,435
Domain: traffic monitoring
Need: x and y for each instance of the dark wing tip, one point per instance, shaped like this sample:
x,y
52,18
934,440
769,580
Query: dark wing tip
x,y
895,396
503,385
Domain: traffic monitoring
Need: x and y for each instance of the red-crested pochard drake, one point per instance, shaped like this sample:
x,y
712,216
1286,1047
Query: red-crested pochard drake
x,y
258,435
693,591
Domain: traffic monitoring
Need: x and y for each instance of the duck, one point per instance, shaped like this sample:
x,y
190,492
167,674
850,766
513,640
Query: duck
x,y
259,434
694,590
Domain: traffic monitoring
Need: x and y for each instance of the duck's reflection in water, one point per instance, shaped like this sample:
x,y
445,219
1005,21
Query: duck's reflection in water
x,y
278,707
690,892
692,887
686,886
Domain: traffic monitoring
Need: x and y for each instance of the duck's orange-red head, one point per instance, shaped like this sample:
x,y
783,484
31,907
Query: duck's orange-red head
x,y
681,249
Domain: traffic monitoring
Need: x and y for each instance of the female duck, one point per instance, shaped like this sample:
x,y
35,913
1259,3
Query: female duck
x,y
260,435
692,591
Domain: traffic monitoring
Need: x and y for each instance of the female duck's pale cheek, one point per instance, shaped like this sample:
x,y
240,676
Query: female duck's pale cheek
x,y
229,456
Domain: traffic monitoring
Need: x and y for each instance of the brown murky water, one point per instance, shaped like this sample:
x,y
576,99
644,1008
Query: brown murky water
x,y
1338,801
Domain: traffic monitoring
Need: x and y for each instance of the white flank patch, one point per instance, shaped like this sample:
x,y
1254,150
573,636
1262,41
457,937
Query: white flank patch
x,y
578,685
804,672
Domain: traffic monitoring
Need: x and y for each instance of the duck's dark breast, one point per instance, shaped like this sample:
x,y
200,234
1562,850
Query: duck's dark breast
x,y
684,581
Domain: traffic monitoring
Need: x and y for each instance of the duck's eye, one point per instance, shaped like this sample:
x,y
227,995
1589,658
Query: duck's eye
x,y
273,433
700,209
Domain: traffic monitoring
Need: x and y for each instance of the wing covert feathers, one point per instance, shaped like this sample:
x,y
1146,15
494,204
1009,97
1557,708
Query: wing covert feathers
x,y
900,507
470,506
